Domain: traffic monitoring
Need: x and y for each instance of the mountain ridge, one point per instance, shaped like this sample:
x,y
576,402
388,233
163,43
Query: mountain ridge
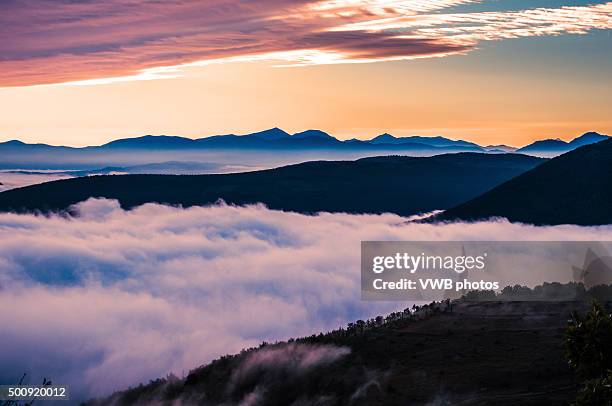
x,y
573,188
276,138
558,145
395,184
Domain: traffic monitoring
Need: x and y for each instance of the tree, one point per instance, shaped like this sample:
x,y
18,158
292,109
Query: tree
x,y
588,348
596,392
588,342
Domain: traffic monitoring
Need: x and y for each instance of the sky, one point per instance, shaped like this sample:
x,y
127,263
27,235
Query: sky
x,y
489,71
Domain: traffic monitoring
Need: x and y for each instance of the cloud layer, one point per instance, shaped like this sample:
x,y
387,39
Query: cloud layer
x,y
14,179
48,41
112,297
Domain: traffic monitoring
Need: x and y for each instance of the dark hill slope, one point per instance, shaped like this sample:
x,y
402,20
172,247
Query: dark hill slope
x,y
574,188
496,353
403,185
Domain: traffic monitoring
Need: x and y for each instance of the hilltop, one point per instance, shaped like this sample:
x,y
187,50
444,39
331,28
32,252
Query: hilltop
x,y
574,188
402,185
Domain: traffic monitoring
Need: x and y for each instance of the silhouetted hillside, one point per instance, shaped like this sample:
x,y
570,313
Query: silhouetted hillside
x,y
574,188
403,185
498,352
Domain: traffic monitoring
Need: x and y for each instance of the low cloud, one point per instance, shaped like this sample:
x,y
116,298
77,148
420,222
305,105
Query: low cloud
x,y
272,365
14,179
111,298
289,359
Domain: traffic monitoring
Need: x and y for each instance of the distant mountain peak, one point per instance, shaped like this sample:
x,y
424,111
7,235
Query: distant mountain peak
x,y
384,138
312,134
271,134
167,141
549,141
588,138
13,142
591,134
435,141
555,146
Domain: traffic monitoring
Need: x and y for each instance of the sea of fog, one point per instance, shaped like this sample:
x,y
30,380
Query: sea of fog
x,y
111,298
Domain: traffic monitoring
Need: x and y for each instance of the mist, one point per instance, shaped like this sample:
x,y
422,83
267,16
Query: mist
x,y
93,158
110,298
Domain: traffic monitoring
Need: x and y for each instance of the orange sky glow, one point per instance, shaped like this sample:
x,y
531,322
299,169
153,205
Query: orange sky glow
x,y
86,73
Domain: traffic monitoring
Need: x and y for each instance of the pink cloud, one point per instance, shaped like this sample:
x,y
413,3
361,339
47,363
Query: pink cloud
x,y
59,41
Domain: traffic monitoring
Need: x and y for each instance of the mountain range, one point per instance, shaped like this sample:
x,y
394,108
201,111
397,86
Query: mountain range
x,y
272,139
559,146
277,139
397,184
574,188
